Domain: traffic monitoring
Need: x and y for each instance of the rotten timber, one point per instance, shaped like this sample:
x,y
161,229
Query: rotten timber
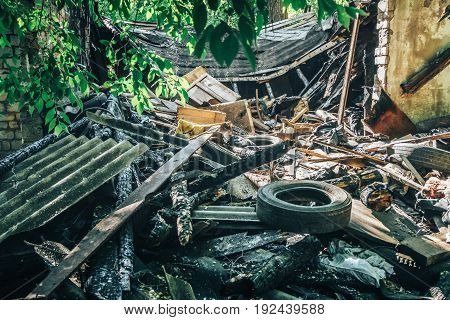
x,y
107,227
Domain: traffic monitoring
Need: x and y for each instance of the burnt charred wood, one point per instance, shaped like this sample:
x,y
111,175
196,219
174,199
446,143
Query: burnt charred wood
x,y
276,270
126,249
183,205
354,182
426,72
160,230
316,278
14,158
104,281
52,253
237,168
124,187
222,175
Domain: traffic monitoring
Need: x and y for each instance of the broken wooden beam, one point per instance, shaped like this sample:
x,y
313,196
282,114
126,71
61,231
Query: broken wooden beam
x,y
107,227
348,71
275,270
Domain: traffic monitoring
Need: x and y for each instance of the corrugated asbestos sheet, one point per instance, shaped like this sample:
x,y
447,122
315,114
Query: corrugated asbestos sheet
x,y
54,179
278,44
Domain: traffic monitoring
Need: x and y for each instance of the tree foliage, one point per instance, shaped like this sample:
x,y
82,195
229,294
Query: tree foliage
x,y
48,70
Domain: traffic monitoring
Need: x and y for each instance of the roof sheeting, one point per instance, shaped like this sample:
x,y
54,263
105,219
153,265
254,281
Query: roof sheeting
x,y
58,177
278,44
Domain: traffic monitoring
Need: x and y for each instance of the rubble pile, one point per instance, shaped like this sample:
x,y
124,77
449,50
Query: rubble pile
x,y
228,197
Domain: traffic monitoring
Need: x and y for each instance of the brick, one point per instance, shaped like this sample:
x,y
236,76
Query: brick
x,y
16,144
381,51
18,134
13,124
13,108
6,135
18,116
384,60
2,97
5,146
3,125
7,117
383,24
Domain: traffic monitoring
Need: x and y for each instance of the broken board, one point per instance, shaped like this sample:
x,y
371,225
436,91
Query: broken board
x,y
204,89
426,250
238,113
200,116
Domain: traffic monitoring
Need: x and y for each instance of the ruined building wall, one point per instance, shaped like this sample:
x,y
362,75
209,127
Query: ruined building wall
x,y
409,35
17,128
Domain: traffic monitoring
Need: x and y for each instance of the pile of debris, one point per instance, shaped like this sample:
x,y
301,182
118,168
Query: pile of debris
x,y
227,198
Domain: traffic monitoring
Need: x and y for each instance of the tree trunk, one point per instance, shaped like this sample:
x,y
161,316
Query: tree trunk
x,y
276,12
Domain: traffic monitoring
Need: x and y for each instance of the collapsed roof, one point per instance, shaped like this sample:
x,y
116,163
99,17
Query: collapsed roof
x,y
278,45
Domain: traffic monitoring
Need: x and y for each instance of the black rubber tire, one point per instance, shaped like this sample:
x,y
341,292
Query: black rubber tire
x,y
424,157
287,216
264,141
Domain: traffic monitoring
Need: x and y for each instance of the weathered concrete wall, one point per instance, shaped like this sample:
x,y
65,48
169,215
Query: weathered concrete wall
x,y
16,128
409,36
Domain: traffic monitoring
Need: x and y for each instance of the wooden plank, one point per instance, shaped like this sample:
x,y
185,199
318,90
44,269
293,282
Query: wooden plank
x,y
345,150
195,74
200,116
365,225
236,113
107,227
199,96
348,70
426,250
219,90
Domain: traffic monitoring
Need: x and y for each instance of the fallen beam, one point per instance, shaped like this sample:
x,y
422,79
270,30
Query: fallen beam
x,y
107,227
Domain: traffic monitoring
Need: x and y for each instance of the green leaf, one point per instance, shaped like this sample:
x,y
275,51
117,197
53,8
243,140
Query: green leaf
x,y
64,117
262,4
58,129
213,4
354,12
39,105
84,87
343,16
238,6
224,44
52,125
50,115
246,29
202,40
298,4
49,104
250,55
200,16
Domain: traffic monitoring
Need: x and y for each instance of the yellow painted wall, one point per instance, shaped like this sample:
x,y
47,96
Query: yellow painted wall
x,y
416,36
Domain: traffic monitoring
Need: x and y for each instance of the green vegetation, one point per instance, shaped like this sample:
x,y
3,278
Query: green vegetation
x,y
50,69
